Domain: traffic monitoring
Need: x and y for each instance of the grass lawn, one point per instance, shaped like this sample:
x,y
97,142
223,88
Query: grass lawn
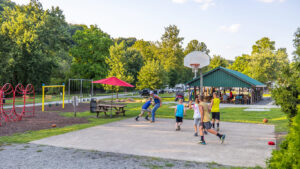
x,y
275,116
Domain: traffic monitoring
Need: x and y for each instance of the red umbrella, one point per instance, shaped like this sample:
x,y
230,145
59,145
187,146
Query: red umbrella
x,y
114,82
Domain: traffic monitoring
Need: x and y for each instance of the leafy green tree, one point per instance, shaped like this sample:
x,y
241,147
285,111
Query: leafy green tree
x,y
147,49
217,61
34,37
127,41
152,76
171,54
286,94
133,62
89,53
266,62
287,91
241,64
117,65
6,3
262,45
194,45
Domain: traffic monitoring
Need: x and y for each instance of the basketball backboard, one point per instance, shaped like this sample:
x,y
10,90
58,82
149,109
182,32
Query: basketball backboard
x,y
196,58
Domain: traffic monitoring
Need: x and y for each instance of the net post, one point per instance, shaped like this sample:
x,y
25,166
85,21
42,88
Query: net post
x,y
63,101
43,97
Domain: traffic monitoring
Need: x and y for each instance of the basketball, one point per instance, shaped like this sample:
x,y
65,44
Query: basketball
x,y
265,120
53,125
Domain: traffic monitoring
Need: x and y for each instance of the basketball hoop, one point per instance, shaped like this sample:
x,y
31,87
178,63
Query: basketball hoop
x,y
197,60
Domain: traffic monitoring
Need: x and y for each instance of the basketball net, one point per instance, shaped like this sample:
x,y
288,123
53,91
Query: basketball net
x,y
195,68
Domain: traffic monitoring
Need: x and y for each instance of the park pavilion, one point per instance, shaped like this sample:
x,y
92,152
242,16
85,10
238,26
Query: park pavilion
x,y
244,90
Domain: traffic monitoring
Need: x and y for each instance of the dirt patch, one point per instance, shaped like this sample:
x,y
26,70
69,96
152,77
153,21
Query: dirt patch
x,y
44,120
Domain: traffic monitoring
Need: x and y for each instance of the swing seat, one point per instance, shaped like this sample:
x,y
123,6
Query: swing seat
x,y
56,104
49,105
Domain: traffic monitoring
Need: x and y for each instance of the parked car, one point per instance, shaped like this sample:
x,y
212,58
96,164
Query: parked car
x,y
145,92
179,95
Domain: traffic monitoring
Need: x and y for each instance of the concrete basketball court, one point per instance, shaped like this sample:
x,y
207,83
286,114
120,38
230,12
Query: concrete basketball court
x,y
245,144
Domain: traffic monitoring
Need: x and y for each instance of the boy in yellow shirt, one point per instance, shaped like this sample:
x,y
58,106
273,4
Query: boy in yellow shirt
x,y
206,124
215,111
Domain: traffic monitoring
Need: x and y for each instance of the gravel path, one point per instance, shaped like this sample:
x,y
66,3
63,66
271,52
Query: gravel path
x,y
25,156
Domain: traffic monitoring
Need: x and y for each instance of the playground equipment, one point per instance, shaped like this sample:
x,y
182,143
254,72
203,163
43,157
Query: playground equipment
x,y
82,88
16,103
50,96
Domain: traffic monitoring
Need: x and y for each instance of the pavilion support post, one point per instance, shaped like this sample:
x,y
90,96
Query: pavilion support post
x,y
189,93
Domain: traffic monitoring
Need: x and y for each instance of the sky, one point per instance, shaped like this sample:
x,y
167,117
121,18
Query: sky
x,y
228,27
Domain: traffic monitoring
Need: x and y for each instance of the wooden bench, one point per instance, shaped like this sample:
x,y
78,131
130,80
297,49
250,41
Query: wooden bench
x,y
107,106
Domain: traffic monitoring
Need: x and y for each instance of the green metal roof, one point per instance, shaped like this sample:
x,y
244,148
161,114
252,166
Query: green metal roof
x,y
223,77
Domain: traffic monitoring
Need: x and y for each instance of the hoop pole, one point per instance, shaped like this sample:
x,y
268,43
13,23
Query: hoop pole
x,y
43,98
63,101
201,83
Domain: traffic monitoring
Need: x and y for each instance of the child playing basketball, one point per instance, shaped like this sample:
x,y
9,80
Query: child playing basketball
x,y
179,112
205,122
145,108
215,111
197,117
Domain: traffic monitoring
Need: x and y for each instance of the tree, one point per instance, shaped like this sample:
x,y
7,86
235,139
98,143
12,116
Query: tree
x,y
117,64
89,53
287,91
241,64
217,61
127,41
266,62
133,62
147,49
33,37
6,3
171,54
286,94
152,76
262,45
194,45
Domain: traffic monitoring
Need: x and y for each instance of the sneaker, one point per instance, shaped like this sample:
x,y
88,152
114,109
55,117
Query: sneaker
x,y
218,129
147,118
196,134
152,121
205,132
222,139
137,119
202,142
178,127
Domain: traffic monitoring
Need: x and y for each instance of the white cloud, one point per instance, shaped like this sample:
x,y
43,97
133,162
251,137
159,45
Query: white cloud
x,y
232,28
270,1
205,3
179,1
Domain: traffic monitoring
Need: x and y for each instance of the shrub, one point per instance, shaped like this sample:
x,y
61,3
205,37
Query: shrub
x,y
288,156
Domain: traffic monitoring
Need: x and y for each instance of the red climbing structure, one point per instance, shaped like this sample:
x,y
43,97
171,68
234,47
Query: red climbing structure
x,y
16,103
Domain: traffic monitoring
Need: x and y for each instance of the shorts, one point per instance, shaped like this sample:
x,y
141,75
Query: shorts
x,y
179,119
215,115
145,110
197,121
207,125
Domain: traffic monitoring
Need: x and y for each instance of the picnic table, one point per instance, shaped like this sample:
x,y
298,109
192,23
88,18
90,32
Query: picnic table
x,y
104,106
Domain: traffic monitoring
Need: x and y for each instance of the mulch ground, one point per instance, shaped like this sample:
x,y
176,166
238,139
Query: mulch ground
x,y
44,120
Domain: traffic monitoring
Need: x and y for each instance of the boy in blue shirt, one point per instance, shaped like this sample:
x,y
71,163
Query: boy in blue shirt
x,y
145,108
179,111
